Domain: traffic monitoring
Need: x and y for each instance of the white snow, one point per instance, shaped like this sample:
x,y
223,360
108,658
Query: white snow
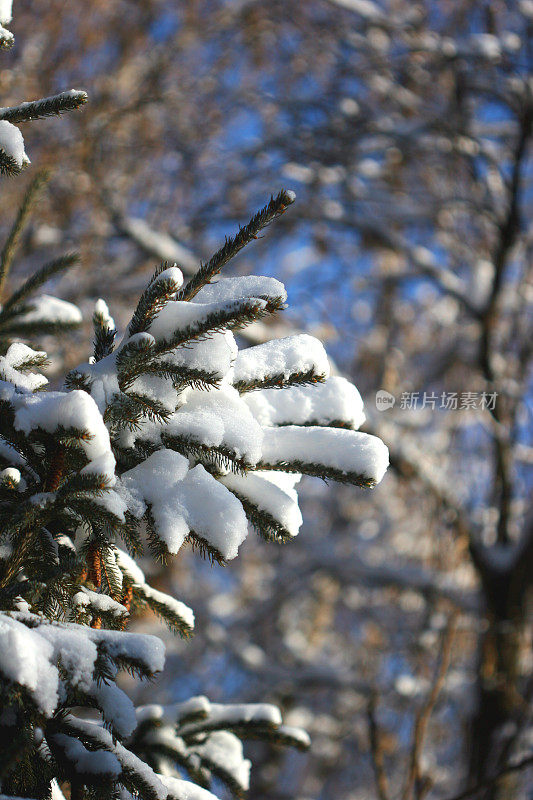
x,y
94,762
284,357
15,357
224,749
127,760
75,409
12,143
90,600
185,790
101,310
11,477
177,315
231,716
176,607
184,500
339,449
26,659
172,714
335,400
280,504
240,288
129,566
144,648
298,734
116,707
51,310
216,418
6,11
366,8
76,646
173,274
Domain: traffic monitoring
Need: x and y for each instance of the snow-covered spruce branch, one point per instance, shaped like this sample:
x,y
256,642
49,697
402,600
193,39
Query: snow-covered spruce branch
x,y
52,106
231,247
156,443
13,157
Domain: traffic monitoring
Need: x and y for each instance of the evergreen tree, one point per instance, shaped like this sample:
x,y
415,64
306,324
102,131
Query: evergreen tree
x,y
170,436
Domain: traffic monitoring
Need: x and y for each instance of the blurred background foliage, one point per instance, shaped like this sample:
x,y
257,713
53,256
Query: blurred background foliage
x,y
397,628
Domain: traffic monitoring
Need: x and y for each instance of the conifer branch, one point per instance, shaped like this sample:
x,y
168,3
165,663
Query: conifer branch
x,y
232,317
7,40
280,381
266,525
11,243
29,286
46,107
104,335
8,165
220,457
158,292
326,473
205,549
233,245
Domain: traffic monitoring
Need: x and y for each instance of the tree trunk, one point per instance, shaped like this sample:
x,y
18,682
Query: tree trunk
x,y
500,703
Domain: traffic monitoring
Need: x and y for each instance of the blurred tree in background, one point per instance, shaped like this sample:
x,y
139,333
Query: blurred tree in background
x,y
405,129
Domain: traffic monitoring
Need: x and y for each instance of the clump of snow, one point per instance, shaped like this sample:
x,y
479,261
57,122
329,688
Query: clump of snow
x,y
234,715
173,274
284,357
224,749
280,504
51,310
11,478
6,11
129,566
116,707
336,448
92,762
215,418
75,409
26,659
178,315
12,143
185,790
335,400
15,358
87,599
184,501
174,713
101,310
227,289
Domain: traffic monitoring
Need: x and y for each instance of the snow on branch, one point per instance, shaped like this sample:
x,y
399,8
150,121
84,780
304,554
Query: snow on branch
x,y
159,439
46,107
233,245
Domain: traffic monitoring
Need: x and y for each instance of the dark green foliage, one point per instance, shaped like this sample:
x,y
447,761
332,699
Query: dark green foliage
x,y
46,107
327,473
280,381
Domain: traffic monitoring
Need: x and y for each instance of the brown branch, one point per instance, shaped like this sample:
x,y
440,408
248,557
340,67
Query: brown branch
x,y
376,750
508,233
424,715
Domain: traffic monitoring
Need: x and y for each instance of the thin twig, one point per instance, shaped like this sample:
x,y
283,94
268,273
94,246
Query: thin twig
x,y
424,715
376,750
